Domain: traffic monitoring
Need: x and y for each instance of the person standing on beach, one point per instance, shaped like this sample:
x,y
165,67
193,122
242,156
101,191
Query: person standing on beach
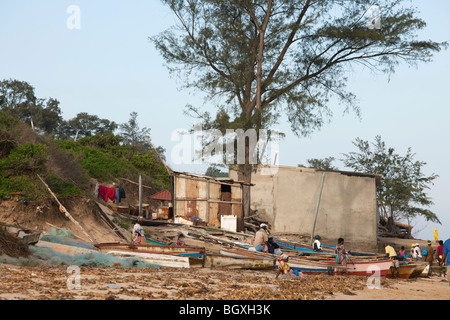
x,y
138,232
390,252
341,254
439,256
446,256
429,257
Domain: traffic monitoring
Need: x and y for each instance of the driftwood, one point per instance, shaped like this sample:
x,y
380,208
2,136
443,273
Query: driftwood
x,y
64,210
253,222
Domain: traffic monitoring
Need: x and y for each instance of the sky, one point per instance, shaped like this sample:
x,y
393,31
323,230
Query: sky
x,y
104,64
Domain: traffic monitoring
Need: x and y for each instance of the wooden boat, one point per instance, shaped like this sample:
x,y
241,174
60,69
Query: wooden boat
x,y
164,260
307,249
367,267
408,270
64,248
235,262
296,246
26,235
151,248
195,255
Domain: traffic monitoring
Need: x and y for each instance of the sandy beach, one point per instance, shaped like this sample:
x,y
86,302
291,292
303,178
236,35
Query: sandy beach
x,y
60,283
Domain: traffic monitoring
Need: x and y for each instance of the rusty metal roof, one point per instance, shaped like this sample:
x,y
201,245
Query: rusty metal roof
x,y
162,195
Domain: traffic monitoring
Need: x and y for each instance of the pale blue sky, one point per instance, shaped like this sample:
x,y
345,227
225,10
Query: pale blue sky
x,y
109,68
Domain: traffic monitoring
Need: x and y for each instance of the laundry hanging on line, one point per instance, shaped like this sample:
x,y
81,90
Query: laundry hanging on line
x,y
114,194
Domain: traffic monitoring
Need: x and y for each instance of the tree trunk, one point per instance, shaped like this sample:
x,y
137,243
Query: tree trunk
x,y
245,174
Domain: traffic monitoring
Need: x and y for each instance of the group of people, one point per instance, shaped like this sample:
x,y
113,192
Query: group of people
x,y
429,254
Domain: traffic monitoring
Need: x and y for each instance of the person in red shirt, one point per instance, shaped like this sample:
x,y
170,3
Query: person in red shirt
x,y
440,254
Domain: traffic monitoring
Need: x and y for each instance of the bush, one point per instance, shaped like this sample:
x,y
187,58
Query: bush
x,y
25,159
63,188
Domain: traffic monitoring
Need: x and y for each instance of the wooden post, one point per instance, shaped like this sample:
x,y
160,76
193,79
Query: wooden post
x,y
140,195
64,210
317,207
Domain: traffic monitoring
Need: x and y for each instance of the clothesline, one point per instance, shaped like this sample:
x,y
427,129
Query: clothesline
x,y
114,194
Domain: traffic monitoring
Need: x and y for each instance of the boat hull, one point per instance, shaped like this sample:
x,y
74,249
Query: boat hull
x,y
164,260
235,262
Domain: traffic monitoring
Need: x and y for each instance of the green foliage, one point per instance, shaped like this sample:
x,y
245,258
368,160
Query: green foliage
x,y
100,164
115,161
25,159
26,185
63,188
18,99
321,164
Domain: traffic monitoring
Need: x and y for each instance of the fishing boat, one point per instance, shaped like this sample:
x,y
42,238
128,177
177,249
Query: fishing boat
x,y
164,260
408,270
195,255
214,260
68,249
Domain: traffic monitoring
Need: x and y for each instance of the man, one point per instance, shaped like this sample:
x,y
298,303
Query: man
x,y
390,252
273,247
418,253
446,256
317,246
138,232
429,257
261,238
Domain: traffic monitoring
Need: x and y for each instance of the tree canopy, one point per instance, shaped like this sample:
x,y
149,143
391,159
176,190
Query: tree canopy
x,y
260,58
402,192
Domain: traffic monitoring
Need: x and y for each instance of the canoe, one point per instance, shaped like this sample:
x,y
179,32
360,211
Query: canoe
x,y
151,248
64,248
308,267
235,262
408,270
196,255
326,249
163,260
296,246
25,235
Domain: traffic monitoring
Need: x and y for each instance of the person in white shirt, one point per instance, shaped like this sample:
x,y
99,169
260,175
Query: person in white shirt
x,y
138,232
317,246
417,253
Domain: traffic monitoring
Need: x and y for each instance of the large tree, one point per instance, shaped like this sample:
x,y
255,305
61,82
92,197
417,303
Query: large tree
x,y
19,100
402,192
257,59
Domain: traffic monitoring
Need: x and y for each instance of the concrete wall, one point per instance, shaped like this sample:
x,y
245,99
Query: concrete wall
x,y
288,199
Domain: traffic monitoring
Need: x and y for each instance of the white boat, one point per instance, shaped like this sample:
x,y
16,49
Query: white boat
x,y
164,260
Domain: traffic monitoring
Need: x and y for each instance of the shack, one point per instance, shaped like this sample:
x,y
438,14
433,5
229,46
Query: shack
x,y
333,204
208,199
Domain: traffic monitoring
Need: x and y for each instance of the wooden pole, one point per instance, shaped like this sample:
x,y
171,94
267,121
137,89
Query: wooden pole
x,y
140,195
317,207
64,210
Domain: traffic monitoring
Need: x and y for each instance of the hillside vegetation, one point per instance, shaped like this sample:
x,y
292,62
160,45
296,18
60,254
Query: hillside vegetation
x,y
70,168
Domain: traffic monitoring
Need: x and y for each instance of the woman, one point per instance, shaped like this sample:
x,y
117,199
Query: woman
x,y
138,232
341,254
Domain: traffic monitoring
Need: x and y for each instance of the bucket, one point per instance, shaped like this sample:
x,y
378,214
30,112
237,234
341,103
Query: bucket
x,y
228,222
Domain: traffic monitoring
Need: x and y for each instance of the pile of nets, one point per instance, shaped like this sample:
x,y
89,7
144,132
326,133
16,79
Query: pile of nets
x,y
44,256
91,259
67,241
60,232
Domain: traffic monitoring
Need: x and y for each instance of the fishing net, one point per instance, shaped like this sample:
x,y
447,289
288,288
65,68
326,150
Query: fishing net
x,y
67,241
60,232
43,256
